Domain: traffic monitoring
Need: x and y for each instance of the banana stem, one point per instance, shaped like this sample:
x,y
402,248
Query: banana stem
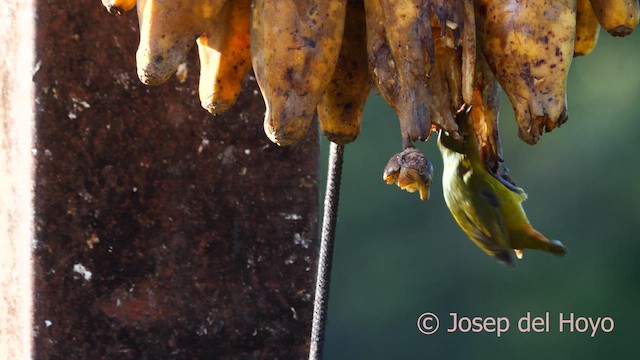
x,y
327,239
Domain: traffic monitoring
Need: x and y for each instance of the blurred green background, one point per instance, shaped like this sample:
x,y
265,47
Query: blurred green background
x,y
397,257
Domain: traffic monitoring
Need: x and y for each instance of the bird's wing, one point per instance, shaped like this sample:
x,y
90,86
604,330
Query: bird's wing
x,y
486,225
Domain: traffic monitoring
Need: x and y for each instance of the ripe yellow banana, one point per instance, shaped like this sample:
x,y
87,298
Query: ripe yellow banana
x,y
294,46
618,17
529,46
587,29
340,108
487,207
118,7
225,56
168,29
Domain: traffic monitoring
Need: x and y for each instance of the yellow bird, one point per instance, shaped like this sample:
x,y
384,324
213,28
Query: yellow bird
x,y
487,206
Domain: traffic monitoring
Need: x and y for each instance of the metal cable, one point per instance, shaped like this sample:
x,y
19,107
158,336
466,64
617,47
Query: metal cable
x,y
327,239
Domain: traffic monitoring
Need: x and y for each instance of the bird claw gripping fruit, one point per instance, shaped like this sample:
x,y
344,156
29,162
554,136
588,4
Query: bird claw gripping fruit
x,y
439,65
411,171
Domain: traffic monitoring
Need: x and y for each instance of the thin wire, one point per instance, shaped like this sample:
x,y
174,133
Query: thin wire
x,y
327,239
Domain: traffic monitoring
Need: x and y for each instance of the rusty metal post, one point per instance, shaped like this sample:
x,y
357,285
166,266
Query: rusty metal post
x,y
159,231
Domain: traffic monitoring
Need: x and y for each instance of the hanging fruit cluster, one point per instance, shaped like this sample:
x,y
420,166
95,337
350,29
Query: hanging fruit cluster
x,y
438,63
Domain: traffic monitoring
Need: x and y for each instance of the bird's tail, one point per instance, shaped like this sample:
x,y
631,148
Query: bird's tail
x,y
536,241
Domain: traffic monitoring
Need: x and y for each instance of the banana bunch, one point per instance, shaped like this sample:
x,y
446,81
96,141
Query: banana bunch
x,y
322,57
438,63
